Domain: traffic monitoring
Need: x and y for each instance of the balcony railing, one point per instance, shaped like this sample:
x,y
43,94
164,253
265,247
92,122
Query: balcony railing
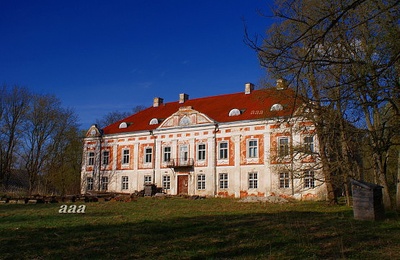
x,y
176,163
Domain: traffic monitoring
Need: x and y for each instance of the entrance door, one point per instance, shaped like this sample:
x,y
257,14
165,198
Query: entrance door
x,y
183,184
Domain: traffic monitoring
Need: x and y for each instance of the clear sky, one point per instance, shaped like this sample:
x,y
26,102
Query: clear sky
x,y
103,56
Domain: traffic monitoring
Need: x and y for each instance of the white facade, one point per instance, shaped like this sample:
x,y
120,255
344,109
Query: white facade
x,y
191,153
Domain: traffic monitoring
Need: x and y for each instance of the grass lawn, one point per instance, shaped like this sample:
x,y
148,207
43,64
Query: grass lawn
x,y
179,228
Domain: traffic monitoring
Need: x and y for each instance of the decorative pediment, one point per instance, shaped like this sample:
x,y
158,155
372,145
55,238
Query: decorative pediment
x,y
93,131
184,117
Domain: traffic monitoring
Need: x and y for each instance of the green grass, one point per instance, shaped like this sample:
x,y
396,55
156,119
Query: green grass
x,y
178,228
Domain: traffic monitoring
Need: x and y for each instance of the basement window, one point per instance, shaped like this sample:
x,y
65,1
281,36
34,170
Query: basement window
x,y
234,112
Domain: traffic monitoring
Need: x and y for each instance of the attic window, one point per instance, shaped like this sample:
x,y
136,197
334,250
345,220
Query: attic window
x,y
123,125
234,112
276,107
153,121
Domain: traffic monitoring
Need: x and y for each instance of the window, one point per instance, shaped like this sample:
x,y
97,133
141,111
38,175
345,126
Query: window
x,y
223,180
253,180
123,125
153,121
183,151
166,182
309,180
309,144
234,112
185,121
252,149
148,152
125,156
223,150
89,183
201,181
125,182
201,152
91,158
167,154
104,183
106,157
283,149
284,180
276,107
147,179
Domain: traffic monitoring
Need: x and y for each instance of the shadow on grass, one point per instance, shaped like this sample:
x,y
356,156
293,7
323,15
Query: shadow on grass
x,y
284,235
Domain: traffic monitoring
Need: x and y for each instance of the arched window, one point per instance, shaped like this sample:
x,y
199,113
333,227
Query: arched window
x,y
276,107
123,125
153,121
184,121
234,112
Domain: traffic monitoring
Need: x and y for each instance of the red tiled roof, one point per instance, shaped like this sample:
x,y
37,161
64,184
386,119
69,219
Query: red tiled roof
x,y
254,106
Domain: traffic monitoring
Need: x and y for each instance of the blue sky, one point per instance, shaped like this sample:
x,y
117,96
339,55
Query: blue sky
x,y
103,56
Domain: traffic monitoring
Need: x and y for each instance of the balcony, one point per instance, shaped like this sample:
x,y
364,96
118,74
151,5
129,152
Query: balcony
x,y
180,163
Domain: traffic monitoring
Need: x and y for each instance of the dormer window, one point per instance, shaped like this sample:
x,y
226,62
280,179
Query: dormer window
x,y
234,112
276,107
123,125
153,121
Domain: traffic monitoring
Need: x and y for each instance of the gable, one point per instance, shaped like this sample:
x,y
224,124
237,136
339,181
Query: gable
x,y
93,131
186,116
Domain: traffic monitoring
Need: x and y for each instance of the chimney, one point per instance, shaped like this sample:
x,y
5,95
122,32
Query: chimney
x,y
157,101
183,97
248,88
281,84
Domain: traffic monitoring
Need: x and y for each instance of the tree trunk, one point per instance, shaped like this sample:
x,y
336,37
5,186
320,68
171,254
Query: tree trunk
x,y
345,165
387,202
398,184
332,199
382,178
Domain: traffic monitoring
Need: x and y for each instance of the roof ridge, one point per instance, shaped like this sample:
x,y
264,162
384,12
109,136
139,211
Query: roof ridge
x,y
217,95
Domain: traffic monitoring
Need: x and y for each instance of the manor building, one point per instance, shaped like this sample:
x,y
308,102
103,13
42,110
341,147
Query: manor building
x,y
251,143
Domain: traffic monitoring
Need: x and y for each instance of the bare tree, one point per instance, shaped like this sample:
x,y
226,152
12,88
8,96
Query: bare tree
x,y
115,116
342,55
2,95
44,130
111,117
62,171
38,137
14,106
